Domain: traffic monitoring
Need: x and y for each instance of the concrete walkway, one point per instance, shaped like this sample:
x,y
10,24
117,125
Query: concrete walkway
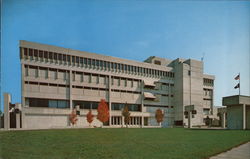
x,y
240,152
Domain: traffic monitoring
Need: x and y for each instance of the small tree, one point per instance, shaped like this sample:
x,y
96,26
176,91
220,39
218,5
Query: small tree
x,y
126,115
103,111
73,117
159,116
90,117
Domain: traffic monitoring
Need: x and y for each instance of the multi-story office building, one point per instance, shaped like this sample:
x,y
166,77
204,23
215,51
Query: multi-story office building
x,y
56,79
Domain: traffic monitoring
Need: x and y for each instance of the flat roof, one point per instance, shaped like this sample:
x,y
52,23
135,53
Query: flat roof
x,y
236,100
67,51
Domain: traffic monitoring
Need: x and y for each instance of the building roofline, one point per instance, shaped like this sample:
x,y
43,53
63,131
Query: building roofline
x,y
208,76
236,96
68,51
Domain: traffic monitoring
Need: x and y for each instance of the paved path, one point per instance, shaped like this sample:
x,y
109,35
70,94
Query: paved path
x,y
241,152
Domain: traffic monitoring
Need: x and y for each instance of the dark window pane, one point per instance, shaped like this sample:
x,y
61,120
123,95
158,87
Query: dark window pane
x,y
52,103
60,57
30,52
50,55
46,54
68,58
40,53
25,51
62,104
94,105
55,56
35,53
87,105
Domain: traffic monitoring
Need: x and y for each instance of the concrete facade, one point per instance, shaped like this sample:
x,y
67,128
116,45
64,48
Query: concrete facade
x,y
238,111
55,80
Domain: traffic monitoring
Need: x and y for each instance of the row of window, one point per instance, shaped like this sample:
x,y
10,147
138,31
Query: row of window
x,y
50,73
86,104
114,106
120,106
208,82
88,88
164,106
206,111
51,103
36,102
46,84
207,92
46,56
79,87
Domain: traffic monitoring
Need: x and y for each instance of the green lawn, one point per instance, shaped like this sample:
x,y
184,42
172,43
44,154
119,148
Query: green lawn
x,y
172,143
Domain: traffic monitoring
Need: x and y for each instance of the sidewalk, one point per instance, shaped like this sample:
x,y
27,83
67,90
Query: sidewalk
x,y
241,152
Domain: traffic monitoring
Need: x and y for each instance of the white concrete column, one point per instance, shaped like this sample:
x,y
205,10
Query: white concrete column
x,y
244,117
22,85
48,75
142,102
189,119
109,100
23,118
22,53
7,100
38,72
223,120
169,96
28,55
70,90
18,120
136,120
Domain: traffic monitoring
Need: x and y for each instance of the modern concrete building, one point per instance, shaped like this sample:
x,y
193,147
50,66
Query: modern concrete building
x,y
56,79
238,111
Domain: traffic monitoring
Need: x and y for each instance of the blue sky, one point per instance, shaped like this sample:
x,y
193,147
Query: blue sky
x,y
134,30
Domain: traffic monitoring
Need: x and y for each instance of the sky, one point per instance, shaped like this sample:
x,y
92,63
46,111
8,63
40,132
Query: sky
x,y
134,30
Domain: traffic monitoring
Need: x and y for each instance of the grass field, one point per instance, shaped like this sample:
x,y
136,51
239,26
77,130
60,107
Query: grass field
x,y
175,143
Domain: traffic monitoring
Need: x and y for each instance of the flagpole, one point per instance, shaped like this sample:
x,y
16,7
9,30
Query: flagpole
x,y
239,83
